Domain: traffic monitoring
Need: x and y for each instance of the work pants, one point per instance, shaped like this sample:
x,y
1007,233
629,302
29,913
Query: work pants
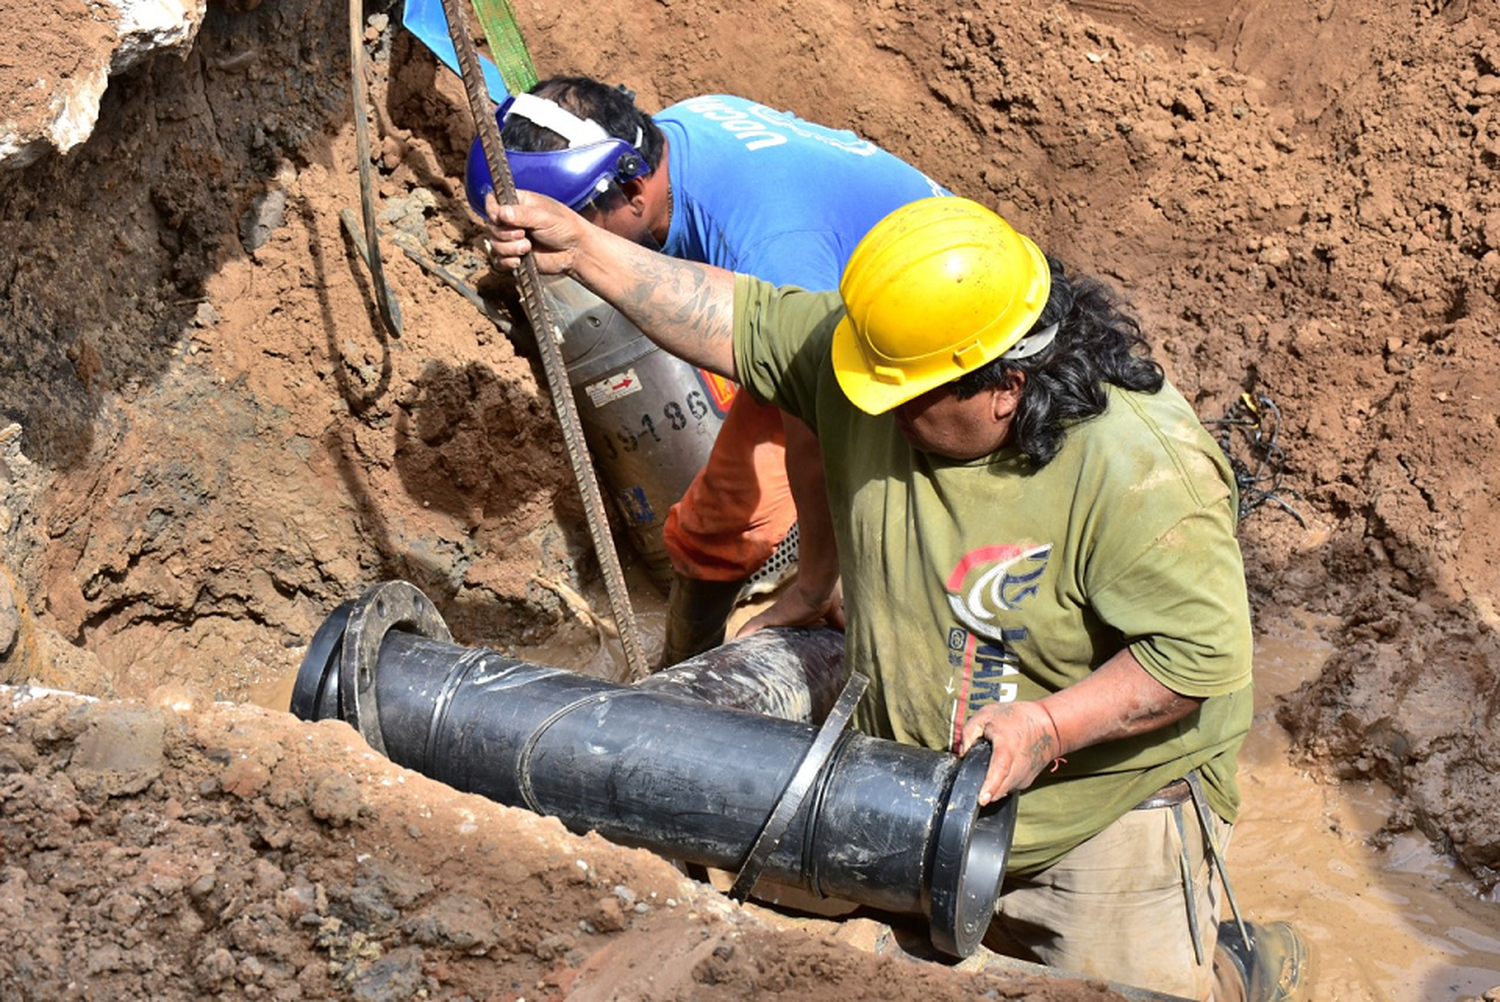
x,y
1115,907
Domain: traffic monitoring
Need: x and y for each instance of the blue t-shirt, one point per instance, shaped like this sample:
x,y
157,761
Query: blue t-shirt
x,y
765,193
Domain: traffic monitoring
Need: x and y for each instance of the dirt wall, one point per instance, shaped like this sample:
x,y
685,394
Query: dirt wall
x,y
226,440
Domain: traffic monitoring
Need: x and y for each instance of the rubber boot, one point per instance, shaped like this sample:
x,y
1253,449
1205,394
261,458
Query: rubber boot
x,y
1276,969
697,612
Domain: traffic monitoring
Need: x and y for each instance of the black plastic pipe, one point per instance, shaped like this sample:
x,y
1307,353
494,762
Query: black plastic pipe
x,y
656,765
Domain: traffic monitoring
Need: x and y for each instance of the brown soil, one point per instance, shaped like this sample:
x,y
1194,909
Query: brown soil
x,y
217,440
231,852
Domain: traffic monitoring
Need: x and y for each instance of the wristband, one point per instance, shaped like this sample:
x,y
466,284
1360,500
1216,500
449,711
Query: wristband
x,y
1058,759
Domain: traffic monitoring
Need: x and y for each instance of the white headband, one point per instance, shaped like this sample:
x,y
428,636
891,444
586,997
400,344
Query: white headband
x,y
551,115
1032,344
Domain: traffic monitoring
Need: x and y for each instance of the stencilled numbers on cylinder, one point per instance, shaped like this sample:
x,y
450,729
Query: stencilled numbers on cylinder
x,y
675,413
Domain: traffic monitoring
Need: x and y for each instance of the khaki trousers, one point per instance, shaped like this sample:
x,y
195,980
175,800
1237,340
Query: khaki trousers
x,y
1115,907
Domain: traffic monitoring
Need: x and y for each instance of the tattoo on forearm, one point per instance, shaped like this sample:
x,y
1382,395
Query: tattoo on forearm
x,y
1148,716
685,307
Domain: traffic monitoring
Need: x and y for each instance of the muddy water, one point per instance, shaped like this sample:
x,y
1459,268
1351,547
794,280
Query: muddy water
x,y
1399,924
1394,924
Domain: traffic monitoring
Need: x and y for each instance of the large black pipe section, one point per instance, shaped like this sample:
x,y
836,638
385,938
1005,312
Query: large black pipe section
x,y
838,813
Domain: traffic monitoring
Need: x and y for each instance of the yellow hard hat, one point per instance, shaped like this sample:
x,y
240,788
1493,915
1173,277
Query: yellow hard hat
x,y
938,288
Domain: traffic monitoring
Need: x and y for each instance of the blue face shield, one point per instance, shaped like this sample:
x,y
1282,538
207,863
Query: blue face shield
x,y
574,176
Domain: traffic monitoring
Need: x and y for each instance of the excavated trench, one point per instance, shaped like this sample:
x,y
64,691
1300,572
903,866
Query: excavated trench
x,y
211,441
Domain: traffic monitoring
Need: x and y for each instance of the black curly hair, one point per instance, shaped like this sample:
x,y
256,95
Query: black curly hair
x,y
1097,342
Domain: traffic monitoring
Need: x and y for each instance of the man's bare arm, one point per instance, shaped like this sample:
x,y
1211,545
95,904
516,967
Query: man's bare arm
x,y
685,308
1118,699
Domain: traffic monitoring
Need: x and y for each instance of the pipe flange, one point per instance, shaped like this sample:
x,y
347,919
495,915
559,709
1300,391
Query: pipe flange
x,y
385,607
320,666
969,859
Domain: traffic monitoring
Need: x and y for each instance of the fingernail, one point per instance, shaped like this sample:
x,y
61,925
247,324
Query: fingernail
x,y
984,798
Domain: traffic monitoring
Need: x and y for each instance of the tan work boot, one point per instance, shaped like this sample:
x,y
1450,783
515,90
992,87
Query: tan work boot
x,y
1276,968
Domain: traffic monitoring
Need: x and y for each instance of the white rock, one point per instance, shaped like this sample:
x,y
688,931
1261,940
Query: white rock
x,y
72,107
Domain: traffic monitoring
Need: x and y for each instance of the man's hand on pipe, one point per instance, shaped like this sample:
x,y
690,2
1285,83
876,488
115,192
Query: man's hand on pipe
x,y
1119,699
1023,743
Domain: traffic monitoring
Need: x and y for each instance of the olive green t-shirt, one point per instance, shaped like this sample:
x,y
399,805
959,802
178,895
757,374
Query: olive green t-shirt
x,y
993,580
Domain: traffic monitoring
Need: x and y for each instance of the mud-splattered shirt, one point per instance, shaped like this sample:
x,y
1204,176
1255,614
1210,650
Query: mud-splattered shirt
x,y
967,583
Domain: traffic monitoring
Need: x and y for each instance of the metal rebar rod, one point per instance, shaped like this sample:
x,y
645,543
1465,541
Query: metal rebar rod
x,y
533,301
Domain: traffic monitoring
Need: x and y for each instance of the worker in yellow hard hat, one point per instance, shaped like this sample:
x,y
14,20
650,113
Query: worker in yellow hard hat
x,y
1037,542
727,181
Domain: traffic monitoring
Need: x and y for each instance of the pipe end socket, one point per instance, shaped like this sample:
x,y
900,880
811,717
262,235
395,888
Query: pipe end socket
x,y
338,674
969,858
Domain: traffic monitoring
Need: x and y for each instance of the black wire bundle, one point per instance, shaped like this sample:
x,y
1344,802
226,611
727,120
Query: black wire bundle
x,y
1249,429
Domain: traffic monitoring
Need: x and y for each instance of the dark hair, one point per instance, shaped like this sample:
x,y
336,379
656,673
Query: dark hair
x,y
1097,342
612,107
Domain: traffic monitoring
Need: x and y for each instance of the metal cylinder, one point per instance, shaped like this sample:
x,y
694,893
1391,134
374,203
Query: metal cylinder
x,y
649,418
873,822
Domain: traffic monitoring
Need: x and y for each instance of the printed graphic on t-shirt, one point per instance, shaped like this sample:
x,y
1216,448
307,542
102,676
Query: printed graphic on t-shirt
x,y
760,127
988,581
992,580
